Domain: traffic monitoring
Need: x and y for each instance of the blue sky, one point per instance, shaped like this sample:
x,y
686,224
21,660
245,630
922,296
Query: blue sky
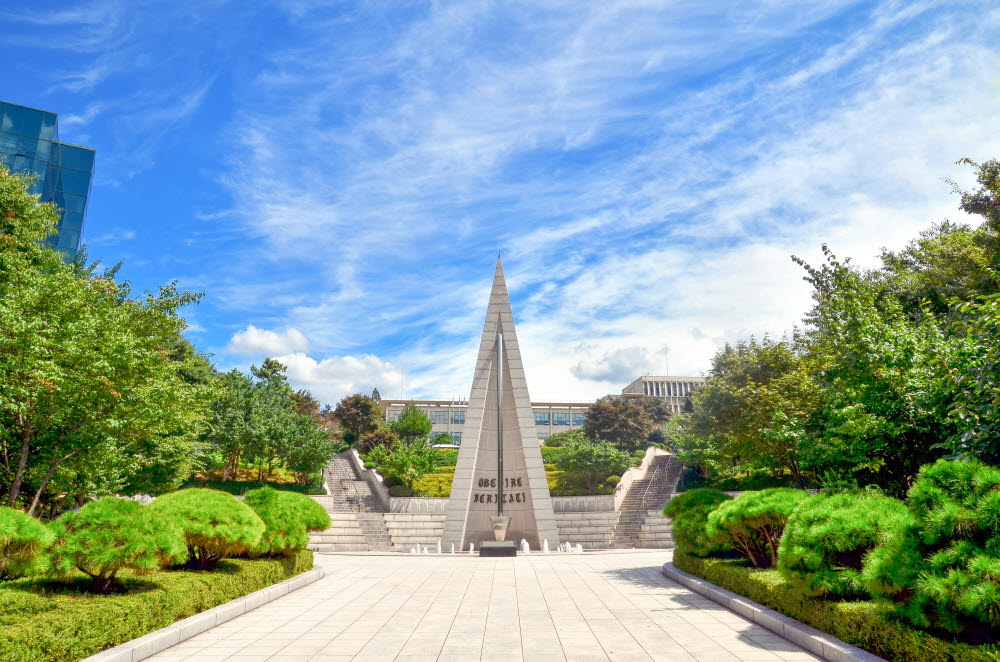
x,y
338,178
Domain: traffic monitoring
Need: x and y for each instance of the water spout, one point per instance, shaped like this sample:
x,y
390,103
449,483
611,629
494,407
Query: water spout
x,y
439,546
525,547
471,547
452,548
579,548
413,551
545,545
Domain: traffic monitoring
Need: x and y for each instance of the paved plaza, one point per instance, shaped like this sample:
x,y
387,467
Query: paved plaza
x,y
407,607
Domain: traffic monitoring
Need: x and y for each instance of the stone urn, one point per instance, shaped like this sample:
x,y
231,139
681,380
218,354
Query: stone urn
x,y
500,524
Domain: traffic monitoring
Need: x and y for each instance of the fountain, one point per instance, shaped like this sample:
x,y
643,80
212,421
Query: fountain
x,y
471,548
439,546
579,548
452,548
413,551
545,545
525,547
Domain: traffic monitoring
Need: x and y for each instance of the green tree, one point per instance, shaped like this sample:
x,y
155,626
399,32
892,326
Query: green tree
x,y
592,461
358,414
404,462
84,365
412,424
625,422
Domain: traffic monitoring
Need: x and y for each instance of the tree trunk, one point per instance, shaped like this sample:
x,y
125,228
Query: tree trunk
x,y
45,481
230,461
22,463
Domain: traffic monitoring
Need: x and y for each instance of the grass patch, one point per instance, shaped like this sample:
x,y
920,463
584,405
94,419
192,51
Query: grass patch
x,y
867,624
47,620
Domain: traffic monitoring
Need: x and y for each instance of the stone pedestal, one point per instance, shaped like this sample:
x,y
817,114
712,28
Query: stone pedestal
x,y
497,548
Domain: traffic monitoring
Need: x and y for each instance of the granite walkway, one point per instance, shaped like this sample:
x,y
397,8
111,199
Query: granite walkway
x,y
402,607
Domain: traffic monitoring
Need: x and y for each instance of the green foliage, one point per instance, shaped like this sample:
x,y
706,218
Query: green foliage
x,y
552,455
871,625
111,534
404,462
241,487
358,415
215,524
23,539
45,621
828,537
412,424
689,513
445,457
380,436
288,517
592,462
945,571
753,522
612,480
624,422
560,439
88,375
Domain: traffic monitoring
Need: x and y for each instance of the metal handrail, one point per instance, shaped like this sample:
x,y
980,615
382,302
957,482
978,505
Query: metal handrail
x,y
665,467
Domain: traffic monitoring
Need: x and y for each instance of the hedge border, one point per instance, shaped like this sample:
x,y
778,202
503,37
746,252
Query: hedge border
x,y
870,625
819,643
159,640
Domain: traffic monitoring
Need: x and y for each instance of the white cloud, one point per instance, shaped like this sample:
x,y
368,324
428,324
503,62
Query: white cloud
x,y
620,365
253,341
332,378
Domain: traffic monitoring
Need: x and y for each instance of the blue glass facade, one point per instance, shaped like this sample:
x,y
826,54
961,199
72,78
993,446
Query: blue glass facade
x,y
29,142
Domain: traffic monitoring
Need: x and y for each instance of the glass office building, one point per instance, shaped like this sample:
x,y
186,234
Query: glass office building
x,y
29,142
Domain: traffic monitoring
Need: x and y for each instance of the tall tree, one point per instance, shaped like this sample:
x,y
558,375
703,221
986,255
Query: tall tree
x,y
625,422
358,414
412,424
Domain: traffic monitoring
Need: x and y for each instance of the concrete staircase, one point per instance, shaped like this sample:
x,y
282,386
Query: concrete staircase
x,y
592,530
344,535
640,511
355,512
350,493
405,530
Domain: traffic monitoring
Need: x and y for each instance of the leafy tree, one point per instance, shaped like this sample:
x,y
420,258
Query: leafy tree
x,y
592,462
23,540
404,462
381,436
311,450
305,404
412,424
84,365
442,438
376,396
109,535
753,523
358,414
625,422
564,437
689,515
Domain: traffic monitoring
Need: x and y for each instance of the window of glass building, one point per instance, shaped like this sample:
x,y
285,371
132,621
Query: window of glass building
x,y
458,417
579,419
542,436
541,418
560,418
456,437
439,417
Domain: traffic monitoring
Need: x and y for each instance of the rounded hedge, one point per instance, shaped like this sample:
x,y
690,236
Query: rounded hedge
x,y
945,570
215,524
827,538
23,540
108,535
288,517
689,514
753,522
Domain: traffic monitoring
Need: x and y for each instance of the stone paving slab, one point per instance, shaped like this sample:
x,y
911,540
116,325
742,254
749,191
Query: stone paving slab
x,y
536,607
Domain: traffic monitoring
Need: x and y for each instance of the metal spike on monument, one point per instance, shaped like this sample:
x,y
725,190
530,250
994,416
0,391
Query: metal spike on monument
x,y
474,490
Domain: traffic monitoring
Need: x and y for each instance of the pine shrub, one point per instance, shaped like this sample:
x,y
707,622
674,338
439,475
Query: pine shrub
x,y
689,513
288,517
23,539
215,524
753,522
945,570
108,535
828,536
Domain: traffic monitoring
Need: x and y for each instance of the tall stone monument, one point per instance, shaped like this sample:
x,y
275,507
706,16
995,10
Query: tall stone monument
x,y
474,489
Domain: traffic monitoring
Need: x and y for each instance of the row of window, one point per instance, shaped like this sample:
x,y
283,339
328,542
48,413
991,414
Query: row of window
x,y
667,388
559,418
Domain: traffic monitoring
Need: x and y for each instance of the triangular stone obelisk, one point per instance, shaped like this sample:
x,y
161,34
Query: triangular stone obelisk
x,y
473,490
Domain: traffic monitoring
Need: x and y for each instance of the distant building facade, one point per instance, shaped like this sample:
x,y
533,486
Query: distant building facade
x,y
448,417
29,143
672,390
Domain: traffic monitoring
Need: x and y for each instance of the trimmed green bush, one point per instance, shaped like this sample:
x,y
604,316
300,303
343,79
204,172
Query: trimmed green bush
x,y
48,621
871,625
215,524
689,513
288,517
753,522
612,481
23,539
945,570
111,534
828,536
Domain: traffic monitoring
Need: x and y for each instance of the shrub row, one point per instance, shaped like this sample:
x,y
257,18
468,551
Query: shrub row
x,y
936,556
47,621
194,527
870,624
